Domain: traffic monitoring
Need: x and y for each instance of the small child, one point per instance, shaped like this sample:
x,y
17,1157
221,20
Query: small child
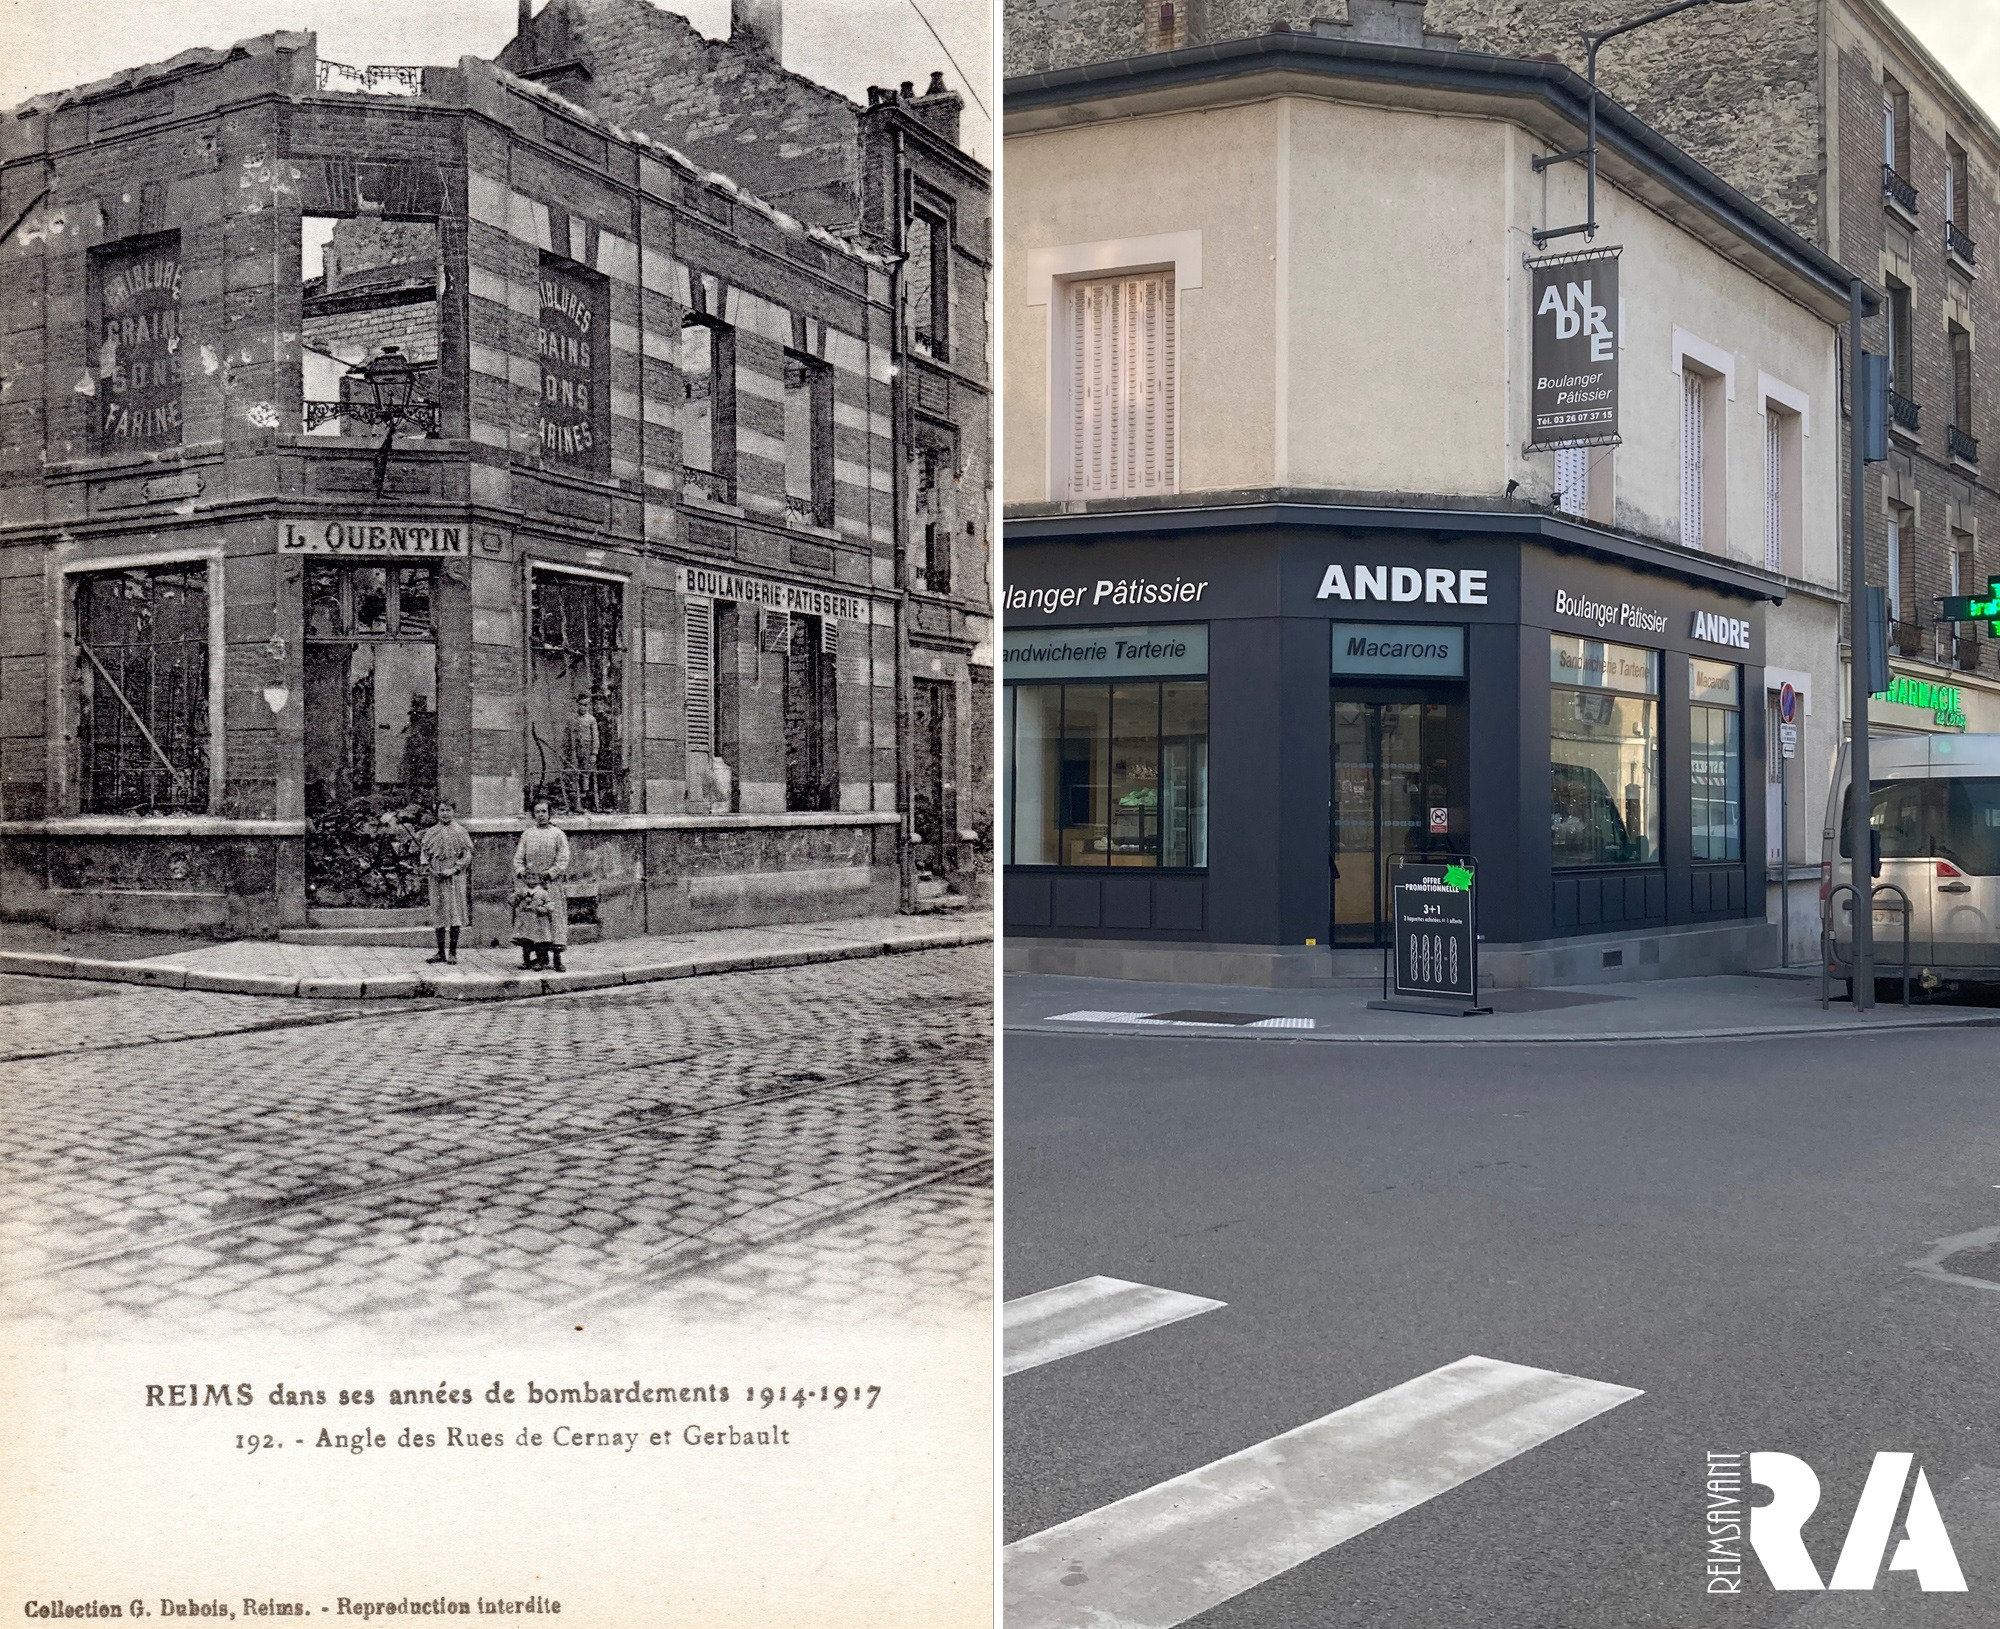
x,y
534,924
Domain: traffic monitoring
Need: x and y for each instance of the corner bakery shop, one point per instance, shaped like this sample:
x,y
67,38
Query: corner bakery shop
x,y
1220,726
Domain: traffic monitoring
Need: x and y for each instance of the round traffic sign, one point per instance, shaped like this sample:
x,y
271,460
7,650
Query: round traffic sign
x,y
1788,703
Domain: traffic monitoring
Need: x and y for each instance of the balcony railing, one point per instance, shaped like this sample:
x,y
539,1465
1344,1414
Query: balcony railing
x,y
805,512
1965,652
707,485
416,416
1903,413
1959,242
1898,190
1906,638
1961,444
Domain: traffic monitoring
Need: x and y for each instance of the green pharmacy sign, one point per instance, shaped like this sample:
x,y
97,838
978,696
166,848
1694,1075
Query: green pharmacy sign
x,y
1974,608
1946,702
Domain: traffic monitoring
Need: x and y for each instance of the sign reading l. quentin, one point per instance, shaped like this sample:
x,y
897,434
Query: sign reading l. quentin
x,y
425,539
1575,349
705,583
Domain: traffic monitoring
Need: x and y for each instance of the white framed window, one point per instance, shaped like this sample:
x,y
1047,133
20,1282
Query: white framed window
x,y
1120,363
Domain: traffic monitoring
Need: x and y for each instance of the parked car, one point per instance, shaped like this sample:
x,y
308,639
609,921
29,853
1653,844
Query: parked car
x,y
1935,803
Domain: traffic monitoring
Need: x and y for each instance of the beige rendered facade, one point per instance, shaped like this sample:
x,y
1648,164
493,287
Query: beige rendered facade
x,y
1348,240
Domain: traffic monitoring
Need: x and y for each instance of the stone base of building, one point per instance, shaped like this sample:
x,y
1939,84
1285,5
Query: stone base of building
x,y
1608,958
630,874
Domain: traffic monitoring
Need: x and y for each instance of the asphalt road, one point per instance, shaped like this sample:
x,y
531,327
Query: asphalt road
x,y
1725,1226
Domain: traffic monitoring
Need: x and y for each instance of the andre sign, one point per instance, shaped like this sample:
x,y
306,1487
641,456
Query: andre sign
x,y
1575,357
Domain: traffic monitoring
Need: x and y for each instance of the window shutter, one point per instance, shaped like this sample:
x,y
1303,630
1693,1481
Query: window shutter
x,y
1150,469
1122,400
701,675
1691,447
1895,572
829,636
1573,479
1774,489
1093,332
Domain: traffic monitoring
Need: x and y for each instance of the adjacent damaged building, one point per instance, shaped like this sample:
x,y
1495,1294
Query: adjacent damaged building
x,y
373,435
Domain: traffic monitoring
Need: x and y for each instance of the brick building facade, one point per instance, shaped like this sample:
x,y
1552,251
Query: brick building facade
x,y
889,175
239,642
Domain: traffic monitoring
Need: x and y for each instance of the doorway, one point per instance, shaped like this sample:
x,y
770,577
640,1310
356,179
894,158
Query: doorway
x,y
1399,787
371,730
934,735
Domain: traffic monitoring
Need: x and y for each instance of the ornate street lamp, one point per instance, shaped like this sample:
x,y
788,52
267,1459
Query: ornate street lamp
x,y
387,397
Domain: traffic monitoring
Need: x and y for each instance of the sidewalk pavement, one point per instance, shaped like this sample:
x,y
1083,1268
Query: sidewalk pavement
x,y
1774,1003
357,972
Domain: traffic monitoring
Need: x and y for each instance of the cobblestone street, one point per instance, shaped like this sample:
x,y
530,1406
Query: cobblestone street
x,y
806,1140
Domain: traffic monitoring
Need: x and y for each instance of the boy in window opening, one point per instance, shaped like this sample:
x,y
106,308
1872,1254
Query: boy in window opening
x,y
582,744
446,849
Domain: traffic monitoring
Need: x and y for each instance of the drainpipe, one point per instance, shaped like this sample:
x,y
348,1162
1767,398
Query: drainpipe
x,y
906,871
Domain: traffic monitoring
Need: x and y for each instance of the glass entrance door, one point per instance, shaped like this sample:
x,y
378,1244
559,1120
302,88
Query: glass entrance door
x,y
1399,787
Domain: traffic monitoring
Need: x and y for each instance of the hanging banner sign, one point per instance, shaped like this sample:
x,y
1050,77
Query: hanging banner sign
x,y
1575,349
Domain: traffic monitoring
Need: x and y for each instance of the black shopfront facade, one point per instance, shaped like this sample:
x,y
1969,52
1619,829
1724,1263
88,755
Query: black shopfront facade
x,y
1220,726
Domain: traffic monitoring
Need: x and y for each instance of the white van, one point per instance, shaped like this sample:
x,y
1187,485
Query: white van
x,y
1936,803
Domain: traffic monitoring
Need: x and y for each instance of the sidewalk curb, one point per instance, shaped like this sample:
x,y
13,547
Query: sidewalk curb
x,y
1175,1032
480,987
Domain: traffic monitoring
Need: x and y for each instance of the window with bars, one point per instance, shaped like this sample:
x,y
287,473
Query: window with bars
x,y
1694,458
1121,366
576,693
142,690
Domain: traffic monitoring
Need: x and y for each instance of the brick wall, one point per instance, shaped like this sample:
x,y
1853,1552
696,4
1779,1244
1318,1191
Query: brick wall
x,y
728,108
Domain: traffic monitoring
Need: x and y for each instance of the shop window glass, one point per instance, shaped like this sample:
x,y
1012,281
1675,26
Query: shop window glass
x,y
142,690
1604,753
1034,772
1109,774
576,693
1715,759
1184,774
368,284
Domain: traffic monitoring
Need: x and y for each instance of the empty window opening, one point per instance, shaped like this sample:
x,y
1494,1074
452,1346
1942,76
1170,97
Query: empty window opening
x,y
370,292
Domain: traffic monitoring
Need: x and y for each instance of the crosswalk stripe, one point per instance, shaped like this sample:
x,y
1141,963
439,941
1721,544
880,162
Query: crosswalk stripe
x,y
1091,1015
1072,1318
1163,1555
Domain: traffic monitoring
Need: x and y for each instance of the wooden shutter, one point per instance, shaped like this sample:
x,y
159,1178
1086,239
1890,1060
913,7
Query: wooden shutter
x,y
1895,572
701,675
1691,460
1774,488
1122,398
